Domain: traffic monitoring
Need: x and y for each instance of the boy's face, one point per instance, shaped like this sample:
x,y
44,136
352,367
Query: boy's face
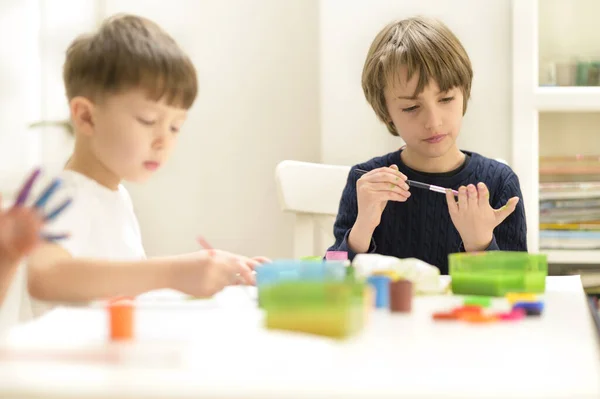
x,y
132,135
429,123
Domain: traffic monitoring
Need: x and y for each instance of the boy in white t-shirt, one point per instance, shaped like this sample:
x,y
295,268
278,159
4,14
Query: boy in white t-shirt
x,y
129,87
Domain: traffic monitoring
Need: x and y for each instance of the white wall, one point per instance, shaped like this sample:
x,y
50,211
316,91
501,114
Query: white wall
x,y
19,90
278,80
258,69
351,133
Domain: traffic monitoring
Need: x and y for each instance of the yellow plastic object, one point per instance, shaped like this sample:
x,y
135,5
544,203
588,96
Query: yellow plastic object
x,y
514,297
391,274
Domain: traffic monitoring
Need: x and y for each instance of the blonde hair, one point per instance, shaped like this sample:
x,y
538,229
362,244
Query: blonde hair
x,y
423,46
129,52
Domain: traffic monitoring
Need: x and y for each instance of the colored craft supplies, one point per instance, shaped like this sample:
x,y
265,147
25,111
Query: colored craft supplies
x,y
401,295
483,301
530,308
381,286
336,255
526,302
121,319
514,314
514,297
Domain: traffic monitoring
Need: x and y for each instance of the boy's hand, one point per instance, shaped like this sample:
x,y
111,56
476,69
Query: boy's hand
x,y
19,233
205,273
20,226
374,189
473,216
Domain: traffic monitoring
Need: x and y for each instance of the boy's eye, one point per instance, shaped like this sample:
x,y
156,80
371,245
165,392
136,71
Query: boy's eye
x,y
447,99
146,122
410,109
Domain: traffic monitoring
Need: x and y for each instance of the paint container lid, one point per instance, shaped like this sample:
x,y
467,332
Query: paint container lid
x,y
336,255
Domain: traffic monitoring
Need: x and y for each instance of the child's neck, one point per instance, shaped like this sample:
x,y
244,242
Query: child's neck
x,y
86,163
448,162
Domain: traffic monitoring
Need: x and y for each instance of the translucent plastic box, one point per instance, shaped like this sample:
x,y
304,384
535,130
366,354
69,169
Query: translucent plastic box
x,y
496,273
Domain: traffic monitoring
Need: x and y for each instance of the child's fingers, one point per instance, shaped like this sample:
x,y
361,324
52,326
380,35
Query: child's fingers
x,y
384,187
506,210
462,199
24,192
262,259
472,196
251,263
484,194
58,210
245,273
389,172
47,193
452,205
53,237
392,196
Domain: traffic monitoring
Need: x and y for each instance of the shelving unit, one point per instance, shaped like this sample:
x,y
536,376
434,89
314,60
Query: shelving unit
x,y
573,257
529,100
565,99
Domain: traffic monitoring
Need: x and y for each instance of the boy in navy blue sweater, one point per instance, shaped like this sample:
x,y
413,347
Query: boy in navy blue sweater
x,y
417,77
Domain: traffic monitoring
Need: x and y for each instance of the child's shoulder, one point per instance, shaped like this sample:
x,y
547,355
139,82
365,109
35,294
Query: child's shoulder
x,y
494,169
379,162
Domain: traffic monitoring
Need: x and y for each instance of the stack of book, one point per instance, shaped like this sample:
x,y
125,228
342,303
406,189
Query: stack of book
x,y
570,202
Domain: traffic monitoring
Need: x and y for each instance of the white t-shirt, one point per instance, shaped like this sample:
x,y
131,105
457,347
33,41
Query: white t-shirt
x,y
101,222
102,225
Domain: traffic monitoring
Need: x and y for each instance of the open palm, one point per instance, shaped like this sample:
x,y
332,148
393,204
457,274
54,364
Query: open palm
x,y
473,216
20,225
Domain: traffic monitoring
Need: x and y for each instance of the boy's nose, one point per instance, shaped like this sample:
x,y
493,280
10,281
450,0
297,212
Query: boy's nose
x,y
161,139
433,121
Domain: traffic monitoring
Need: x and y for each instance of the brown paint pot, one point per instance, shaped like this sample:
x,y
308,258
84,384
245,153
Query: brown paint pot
x,y
401,294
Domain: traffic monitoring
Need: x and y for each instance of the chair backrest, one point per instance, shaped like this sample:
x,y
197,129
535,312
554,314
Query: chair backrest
x,y
312,192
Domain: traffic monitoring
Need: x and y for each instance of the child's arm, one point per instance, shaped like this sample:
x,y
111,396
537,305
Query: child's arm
x,y
362,203
19,230
7,271
54,275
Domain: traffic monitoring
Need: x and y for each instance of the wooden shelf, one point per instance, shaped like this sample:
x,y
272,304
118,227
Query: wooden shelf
x,y
573,257
578,99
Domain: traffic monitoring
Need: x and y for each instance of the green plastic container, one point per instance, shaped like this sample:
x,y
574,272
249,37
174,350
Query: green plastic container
x,y
333,309
496,273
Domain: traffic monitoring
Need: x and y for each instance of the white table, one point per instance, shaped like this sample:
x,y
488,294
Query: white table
x,y
218,349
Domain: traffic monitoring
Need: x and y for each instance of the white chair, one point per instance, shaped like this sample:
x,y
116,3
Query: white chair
x,y
312,192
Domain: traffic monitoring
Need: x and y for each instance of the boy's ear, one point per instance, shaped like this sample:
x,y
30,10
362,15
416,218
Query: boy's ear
x,y
82,115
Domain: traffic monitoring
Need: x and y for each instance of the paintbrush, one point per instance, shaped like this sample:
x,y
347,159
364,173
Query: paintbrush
x,y
418,184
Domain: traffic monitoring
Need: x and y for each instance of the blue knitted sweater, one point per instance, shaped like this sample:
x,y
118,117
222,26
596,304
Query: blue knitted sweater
x,y
421,227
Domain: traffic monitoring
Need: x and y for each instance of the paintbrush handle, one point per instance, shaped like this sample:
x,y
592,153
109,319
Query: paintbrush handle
x,y
418,184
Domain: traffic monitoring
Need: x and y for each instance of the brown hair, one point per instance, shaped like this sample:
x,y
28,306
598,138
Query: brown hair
x,y
130,52
423,46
